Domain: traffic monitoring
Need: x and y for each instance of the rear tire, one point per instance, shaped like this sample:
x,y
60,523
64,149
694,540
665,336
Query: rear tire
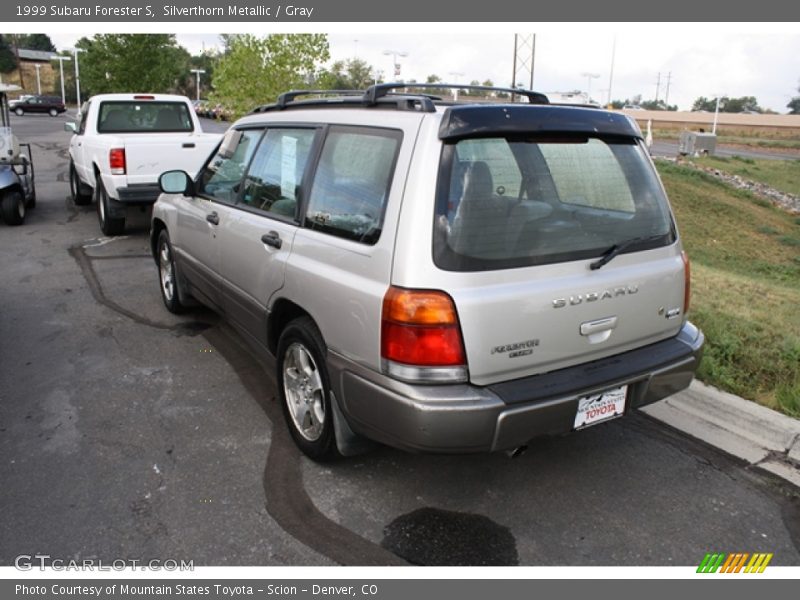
x,y
168,275
304,388
75,185
19,112
108,225
12,207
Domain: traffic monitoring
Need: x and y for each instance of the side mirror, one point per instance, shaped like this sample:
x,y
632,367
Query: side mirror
x,y
71,127
176,182
230,142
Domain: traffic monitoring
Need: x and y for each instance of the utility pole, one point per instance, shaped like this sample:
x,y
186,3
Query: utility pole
x,y
38,79
666,97
524,59
658,86
611,74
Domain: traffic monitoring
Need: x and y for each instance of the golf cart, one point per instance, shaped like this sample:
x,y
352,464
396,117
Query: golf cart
x,y
17,191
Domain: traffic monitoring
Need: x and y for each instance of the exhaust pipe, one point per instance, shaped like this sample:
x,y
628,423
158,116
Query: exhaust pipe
x,y
516,452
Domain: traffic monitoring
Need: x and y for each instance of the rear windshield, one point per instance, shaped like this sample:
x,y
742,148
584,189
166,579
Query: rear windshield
x,y
144,116
505,203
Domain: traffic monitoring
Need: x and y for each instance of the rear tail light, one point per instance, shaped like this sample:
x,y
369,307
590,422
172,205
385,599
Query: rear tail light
x,y
116,160
421,337
144,97
687,281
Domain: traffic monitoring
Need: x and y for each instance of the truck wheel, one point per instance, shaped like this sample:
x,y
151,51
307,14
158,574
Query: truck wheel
x,y
53,112
13,207
108,224
75,187
304,389
168,275
19,112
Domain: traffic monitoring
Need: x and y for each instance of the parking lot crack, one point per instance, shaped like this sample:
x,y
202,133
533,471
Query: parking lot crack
x,y
84,261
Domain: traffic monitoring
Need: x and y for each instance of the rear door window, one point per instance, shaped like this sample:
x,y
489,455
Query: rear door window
x,y
352,182
512,202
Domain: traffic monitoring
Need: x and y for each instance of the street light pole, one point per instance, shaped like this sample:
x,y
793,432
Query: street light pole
x,y
197,73
589,77
38,79
77,80
61,60
394,54
716,116
456,76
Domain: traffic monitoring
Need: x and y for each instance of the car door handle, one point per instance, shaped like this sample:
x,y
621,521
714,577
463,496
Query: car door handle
x,y
213,218
272,239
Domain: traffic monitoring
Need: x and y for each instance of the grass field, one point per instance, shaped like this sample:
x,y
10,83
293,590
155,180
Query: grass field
x,y
780,174
745,282
752,139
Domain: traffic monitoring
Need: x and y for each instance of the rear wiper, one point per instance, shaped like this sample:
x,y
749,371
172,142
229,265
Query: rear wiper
x,y
616,249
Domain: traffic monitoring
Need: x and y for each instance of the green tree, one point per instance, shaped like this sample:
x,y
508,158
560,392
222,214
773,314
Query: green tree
x,y
205,61
255,70
8,61
36,41
151,63
727,105
794,104
351,74
657,105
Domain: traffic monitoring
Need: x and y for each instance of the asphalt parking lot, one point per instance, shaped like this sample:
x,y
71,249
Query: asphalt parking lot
x,y
128,432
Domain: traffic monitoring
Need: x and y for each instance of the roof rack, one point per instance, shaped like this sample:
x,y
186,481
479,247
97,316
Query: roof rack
x,y
288,98
381,90
348,99
384,94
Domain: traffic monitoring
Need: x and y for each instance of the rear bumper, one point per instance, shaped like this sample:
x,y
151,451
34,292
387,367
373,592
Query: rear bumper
x,y
465,418
146,193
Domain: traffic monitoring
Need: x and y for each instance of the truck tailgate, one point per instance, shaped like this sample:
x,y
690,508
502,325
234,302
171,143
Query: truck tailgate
x,y
149,155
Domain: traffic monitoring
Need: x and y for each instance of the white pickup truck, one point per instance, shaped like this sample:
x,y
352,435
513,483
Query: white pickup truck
x,y
121,145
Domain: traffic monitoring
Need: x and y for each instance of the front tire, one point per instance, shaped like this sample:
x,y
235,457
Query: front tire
x,y
108,225
75,185
304,388
53,112
168,275
12,207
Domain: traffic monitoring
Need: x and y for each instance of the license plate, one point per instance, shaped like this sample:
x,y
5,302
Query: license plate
x,y
601,407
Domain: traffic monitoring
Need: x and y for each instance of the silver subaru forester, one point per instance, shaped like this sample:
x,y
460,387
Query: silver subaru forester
x,y
436,276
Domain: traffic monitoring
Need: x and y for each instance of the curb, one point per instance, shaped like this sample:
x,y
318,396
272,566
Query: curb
x,y
762,437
